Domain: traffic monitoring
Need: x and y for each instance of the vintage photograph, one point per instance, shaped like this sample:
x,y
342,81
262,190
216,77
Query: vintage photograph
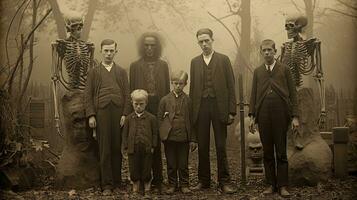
x,y
178,99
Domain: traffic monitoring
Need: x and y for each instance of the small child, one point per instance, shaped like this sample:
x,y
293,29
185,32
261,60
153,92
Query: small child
x,y
140,134
175,132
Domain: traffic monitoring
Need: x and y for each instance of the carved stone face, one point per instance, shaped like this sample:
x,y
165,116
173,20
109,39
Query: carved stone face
x,y
74,26
255,147
294,25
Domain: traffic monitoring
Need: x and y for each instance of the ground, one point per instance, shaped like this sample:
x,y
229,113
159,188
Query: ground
x,y
252,190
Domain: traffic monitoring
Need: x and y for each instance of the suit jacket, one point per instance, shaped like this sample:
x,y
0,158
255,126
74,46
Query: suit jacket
x,y
129,131
137,76
223,84
280,80
93,84
167,104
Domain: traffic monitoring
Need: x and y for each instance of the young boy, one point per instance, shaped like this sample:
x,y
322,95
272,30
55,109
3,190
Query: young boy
x,y
175,132
140,135
108,101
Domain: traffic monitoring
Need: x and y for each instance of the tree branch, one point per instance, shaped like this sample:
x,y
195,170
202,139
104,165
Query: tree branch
x,y
7,35
238,30
128,19
347,5
226,16
342,13
180,14
296,6
229,31
30,66
21,18
230,6
12,74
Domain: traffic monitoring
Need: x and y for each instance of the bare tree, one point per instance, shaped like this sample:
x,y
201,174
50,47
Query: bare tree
x,y
348,8
241,10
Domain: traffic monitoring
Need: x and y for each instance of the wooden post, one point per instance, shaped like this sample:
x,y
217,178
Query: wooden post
x,y
242,135
340,154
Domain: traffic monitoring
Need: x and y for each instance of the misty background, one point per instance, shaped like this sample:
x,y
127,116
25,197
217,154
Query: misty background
x,y
177,21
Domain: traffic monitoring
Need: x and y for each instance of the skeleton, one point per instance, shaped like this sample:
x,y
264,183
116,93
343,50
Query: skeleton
x,y
77,56
303,57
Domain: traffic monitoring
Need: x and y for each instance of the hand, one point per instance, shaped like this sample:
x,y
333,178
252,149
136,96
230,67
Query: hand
x,y
230,119
92,122
122,120
295,123
94,134
252,125
152,150
193,146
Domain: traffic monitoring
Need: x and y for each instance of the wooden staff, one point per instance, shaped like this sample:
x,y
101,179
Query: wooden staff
x,y
242,135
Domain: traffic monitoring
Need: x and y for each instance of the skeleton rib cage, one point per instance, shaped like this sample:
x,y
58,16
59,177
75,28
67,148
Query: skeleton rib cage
x,y
77,57
302,57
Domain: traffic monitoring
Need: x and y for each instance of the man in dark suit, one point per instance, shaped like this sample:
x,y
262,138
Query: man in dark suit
x,y
213,100
151,74
273,105
107,104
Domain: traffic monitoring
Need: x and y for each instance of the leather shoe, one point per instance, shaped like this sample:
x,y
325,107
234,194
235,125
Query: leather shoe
x,y
268,190
185,190
199,186
284,192
228,189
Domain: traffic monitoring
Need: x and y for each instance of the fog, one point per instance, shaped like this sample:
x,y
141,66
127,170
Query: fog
x,y
178,21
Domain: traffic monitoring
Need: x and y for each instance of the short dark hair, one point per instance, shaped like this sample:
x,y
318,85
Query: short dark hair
x,y
268,41
107,42
204,31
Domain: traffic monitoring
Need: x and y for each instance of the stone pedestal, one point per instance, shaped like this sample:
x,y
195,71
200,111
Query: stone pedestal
x,y
78,166
310,158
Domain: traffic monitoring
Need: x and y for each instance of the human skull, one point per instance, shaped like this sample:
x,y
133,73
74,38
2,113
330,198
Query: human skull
x,y
294,25
74,25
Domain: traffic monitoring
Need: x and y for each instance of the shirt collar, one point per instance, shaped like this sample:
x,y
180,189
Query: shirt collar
x,y
139,114
271,66
108,67
177,95
209,55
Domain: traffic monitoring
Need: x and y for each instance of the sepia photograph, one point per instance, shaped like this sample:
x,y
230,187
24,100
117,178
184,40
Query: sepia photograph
x,y
178,99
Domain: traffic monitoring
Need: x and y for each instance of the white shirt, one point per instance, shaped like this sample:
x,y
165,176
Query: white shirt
x,y
207,58
139,114
108,67
271,66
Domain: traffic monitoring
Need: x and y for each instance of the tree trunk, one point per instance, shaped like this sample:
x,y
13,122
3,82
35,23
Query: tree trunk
x,y
61,30
309,9
89,19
